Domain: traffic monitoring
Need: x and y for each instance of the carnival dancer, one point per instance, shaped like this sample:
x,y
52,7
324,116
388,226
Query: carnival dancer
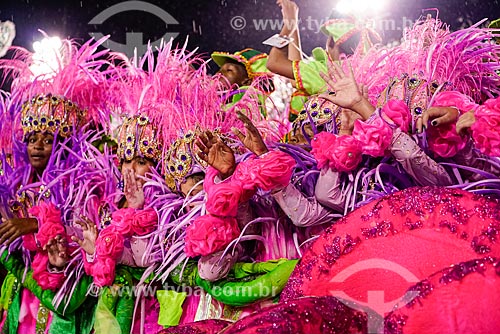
x,y
44,191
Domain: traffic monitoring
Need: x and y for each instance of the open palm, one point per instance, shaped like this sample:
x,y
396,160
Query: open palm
x,y
216,153
252,138
89,232
344,91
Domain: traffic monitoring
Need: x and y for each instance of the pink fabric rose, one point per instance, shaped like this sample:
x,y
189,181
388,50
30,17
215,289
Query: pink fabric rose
x,y
46,280
109,243
29,242
454,99
485,129
46,212
208,234
399,113
322,147
49,219
223,199
346,154
374,137
445,141
123,220
108,248
144,221
244,175
103,271
49,230
275,170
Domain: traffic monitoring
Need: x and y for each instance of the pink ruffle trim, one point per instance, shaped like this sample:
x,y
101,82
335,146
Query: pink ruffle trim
x,y
215,230
485,130
374,137
444,140
46,280
49,218
110,242
340,153
397,111
208,234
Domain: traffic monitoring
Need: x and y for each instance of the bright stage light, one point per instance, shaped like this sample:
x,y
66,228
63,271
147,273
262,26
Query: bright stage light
x,y
361,7
47,56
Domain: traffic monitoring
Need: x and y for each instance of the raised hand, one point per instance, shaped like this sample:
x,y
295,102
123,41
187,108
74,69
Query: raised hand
x,y
134,194
11,229
89,235
465,122
252,139
57,251
290,12
216,153
439,116
345,92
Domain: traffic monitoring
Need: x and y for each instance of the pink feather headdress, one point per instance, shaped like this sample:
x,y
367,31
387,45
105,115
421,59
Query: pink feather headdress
x,y
62,93
150,96
466,60
182,100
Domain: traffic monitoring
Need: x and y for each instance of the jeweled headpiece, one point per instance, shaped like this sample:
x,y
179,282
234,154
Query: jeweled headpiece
x,y
139,137
416,93
60,89
182,160
51,113
319,110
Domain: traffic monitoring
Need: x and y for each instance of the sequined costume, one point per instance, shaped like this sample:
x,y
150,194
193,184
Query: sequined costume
x,y
65,103
429,250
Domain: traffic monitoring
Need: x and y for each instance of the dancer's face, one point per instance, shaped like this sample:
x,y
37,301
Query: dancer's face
x,y
191,181
233,74
140,166
296,136
40,146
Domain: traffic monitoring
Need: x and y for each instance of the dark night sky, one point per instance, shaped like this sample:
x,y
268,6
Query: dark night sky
x,y
70,19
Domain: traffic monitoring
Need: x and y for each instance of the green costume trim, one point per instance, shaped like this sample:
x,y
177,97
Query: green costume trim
x,y
12,322
259,96
105,321
8,286
75,319
338,28
241,293
246,282
308,71
189,274
116,303
253,60
170,307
